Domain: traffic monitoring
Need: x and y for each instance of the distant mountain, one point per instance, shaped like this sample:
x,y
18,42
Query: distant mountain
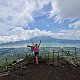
x,y
43,39
50,40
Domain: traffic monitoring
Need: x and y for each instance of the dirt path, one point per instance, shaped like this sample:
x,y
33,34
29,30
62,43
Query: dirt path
x,y
30,71
45,72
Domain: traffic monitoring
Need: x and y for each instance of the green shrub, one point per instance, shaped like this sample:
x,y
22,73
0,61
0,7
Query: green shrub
x,y
14,62
3,65
28,58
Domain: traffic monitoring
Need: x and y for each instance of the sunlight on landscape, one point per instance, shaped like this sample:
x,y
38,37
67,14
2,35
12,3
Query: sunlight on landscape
x,y
39,37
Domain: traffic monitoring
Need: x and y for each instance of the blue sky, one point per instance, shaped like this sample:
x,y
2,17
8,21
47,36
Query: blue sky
x,y
25,19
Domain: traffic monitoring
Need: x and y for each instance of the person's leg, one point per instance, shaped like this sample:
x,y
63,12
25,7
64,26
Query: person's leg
x,y
37,57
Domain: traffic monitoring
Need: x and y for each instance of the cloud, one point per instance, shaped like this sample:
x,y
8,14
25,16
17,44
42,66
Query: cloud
x,y
64,9
16,13
20,12
68,34
19,33
75,25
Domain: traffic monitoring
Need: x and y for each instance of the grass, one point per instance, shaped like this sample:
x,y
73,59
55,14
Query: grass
x,y
10,60
14,58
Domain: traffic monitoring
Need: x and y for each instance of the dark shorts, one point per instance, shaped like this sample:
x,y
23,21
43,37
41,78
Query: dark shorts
x,y
36,53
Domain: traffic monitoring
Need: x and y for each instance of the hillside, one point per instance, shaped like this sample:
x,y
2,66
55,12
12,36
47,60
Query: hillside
x,y
41,72
43,39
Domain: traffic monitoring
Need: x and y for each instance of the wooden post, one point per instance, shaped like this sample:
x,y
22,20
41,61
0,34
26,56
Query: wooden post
x,y
45,55
18,55
53,56
48,55
40,54
62,53
48,58
9,75
75,55
58,58
67,53
7,63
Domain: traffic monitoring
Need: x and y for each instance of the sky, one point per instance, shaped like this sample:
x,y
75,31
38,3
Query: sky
x,y
26,19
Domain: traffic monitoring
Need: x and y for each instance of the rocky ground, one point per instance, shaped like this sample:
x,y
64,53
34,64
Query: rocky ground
x,y
42,72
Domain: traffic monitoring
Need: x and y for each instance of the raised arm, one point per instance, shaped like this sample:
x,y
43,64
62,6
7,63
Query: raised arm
x,y
39,43
32,43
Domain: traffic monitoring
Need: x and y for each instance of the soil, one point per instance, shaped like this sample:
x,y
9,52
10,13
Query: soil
x,y
43,72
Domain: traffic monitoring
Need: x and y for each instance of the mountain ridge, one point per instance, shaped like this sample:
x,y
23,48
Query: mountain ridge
x,y
43,39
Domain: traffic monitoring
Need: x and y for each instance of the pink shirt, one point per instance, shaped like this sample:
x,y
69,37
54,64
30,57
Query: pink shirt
x,y
36,49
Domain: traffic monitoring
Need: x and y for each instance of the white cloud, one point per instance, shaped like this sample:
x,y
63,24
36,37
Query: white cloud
x,y
19,33
75,25
14,13
19,12
68,34
64,9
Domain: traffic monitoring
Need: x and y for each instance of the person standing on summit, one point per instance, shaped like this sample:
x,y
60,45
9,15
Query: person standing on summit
x,y
36,51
